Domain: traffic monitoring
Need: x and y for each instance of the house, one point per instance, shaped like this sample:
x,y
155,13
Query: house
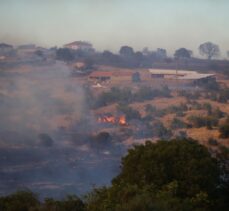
x,y
27,47
5,49
26,50
79,45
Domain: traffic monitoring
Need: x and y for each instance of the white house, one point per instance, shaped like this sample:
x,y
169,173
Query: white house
x,y
79,45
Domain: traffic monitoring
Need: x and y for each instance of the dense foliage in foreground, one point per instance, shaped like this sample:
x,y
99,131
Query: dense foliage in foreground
x,y
175,175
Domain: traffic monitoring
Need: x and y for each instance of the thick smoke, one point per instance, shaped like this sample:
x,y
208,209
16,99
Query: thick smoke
x,y
45,144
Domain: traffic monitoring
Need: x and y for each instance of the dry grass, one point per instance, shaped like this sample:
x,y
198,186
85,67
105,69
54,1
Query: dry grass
x,y
58,90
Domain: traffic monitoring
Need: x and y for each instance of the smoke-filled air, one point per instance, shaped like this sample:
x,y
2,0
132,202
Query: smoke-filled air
x,y
44,117
114,105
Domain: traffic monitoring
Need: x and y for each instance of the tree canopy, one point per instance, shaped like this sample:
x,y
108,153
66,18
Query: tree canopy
x,y
209,49
186,162
183,53
64,54
126,51
175,175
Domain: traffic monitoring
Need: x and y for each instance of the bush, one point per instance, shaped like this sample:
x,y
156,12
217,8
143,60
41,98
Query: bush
x,y
69,203
195,105
19,201
199,121
224,129
145,93
212,141
189,94
209,84
45,140
149,109
208,108
125,95
181,135
177,124
64,54
136,77
129,112
159,130
217,113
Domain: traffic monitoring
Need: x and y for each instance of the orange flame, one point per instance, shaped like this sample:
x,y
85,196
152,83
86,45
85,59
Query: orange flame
x,y
122,120
111,119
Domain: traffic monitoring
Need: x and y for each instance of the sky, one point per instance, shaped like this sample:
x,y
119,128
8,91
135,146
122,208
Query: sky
x,y
109,24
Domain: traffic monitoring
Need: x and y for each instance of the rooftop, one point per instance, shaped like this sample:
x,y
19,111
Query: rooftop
x,y
4,45
27,46
79,43
181,74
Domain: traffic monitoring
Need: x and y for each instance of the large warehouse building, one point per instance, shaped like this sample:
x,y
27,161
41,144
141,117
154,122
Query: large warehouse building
x,y
152,77
178,74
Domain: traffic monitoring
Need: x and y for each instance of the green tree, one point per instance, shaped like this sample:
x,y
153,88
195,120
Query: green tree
x,y
69,203
126,51
149,109
64,54
102,140
160,131
224,129
183,53
184,161
177,124
45,140
175,175
136,77
19,201
209,49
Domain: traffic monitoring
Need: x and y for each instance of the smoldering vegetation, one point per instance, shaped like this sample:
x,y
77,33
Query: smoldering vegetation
x,y
49,140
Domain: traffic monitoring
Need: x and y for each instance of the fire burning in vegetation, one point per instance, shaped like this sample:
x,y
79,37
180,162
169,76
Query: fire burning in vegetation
x,y
121,120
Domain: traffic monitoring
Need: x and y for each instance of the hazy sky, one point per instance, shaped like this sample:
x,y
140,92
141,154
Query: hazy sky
x,y
108,24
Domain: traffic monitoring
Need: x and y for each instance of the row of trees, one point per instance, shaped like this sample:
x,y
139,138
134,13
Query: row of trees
x,y
129,58
207,49
167,175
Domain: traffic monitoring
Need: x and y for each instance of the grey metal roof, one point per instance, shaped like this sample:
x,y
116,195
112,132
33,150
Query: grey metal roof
x,y
181,74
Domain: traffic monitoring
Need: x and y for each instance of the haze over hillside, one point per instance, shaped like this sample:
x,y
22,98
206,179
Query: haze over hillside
x,y
109,24
124,105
